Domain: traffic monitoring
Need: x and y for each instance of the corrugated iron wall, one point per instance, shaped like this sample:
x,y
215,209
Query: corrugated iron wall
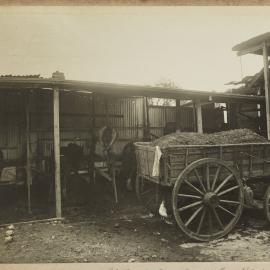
x,y
126,115
75,121
158,117
11,122
246,116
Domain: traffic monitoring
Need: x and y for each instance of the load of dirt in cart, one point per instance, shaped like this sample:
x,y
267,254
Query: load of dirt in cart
x,y
225,137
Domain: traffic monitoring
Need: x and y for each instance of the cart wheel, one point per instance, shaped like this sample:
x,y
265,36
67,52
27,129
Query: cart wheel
x,y
147,193
207,199
266,204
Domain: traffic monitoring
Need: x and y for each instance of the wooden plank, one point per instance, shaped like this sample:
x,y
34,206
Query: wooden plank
x,y
239,162
186,157
250,160
56,140
28,152
177,116
147,118
220,152
232,115
194,116
146,124
106,111
266,86
93,138
164,177
32,221
199,116
264,158
147,162
49,114
144,118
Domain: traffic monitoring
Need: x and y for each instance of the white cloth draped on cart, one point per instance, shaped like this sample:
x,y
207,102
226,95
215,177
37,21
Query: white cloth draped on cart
x,y
158,154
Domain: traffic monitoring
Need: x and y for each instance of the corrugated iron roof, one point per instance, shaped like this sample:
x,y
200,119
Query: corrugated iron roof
x,y
251,84
21,76
122,89
253,42
245,80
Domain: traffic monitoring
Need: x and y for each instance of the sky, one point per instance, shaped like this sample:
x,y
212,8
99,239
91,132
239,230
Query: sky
x,y
190,46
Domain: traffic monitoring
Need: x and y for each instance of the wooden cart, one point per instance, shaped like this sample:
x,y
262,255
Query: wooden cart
x,y
207,183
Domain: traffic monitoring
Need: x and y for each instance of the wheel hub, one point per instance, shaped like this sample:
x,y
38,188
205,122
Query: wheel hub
x,y
211,199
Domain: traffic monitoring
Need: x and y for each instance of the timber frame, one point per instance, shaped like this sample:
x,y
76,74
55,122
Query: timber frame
x,y
259,45
56,85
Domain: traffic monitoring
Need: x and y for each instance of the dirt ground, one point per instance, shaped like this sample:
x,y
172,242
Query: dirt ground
x,y
101,231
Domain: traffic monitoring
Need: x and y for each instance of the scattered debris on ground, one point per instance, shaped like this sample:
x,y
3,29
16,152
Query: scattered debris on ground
x,y
11,227
245,245
9,234
101,231
191,245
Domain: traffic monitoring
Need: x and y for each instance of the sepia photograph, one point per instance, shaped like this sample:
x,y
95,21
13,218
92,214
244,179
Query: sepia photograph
x,y
134,134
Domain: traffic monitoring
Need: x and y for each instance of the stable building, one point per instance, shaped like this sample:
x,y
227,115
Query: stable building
x,y
41,115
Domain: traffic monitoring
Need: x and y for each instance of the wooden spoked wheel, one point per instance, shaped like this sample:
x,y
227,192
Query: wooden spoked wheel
x,y
266,205
207,199
148,194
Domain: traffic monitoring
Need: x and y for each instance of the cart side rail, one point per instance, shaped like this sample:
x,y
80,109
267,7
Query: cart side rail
x,y
249,159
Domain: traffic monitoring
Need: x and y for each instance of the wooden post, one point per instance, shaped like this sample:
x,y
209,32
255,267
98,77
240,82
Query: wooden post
x,y
194,116
28,152
147,118
106,111
146,124
144,119
266,87
263,119
178,122
232,116
93,139
56,140
199,116
93,111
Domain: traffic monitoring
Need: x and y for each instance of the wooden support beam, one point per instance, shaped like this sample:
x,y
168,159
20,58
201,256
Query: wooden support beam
x,y
106,111
33,221
146,124
28,152
56,140
144,118
250,50
147,118
194,116
93,115
263,120
266,87
232,115
199,116
177,115
93,138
